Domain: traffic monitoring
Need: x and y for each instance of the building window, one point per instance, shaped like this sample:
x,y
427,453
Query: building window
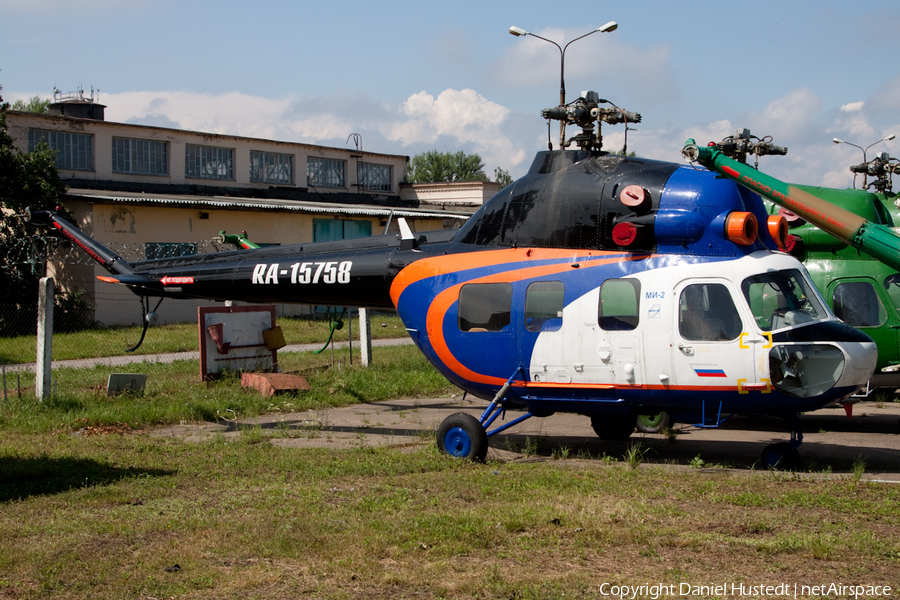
x,y
619,304
142,157
208,162
324,172
375,178
330,230
268,167
484,306
544,306
153,250
73,150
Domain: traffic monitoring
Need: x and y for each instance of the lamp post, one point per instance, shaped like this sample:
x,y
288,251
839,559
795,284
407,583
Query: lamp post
x,y
518,31
865,160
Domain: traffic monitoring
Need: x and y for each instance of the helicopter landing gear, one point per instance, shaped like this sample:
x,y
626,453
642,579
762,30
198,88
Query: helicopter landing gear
x,y
613,427
463,436
653,423
784,456
780,457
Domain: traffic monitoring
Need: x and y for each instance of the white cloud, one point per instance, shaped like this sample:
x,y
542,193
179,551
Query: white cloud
x,y
232,113
853,106
852,126
666,144
463,114
463,117
791,116
837,179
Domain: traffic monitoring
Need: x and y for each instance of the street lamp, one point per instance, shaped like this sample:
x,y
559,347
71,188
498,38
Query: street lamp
x,y
865,160
518,31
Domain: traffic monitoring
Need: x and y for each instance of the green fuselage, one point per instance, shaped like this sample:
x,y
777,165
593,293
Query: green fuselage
x,y
862,291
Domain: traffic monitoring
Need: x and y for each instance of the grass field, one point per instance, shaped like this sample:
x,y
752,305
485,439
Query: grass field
x,y
175,393
125,515
94,506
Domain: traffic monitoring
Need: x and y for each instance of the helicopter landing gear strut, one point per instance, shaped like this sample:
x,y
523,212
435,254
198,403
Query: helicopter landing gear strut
x,y
462,436
784,456
465,436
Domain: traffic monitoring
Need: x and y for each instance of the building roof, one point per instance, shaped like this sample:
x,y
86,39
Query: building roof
x,y
258,204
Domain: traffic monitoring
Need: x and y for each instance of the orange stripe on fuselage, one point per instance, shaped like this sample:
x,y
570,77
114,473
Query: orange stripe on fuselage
x,y
454,263
444,300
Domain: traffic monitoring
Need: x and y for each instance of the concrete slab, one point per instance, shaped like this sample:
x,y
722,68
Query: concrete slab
x,y
832,442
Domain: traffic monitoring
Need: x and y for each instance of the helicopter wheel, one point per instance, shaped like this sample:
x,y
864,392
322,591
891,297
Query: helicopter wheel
x,y
463,436
614,427
653,423
780,457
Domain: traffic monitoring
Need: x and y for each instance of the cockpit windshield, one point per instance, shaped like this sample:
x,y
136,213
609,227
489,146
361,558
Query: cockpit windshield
x,y
782,299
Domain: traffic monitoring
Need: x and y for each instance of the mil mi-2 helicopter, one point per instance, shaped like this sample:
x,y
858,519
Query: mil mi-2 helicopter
x,y
861,288
598,284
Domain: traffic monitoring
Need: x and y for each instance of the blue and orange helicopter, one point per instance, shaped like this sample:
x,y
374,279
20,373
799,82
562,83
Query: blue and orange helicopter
x,y
599,284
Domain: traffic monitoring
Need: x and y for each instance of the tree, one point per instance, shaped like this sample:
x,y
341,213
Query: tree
x,y
35,105
434,166
28,179
502,177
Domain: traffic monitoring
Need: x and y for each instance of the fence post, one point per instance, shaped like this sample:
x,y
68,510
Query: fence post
x,y
365,337
43,372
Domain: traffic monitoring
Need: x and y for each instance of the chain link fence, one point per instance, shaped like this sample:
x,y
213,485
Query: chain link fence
x,y
36,251
74,308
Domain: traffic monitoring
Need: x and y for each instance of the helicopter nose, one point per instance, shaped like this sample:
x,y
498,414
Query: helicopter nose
x,y
860,364
823,369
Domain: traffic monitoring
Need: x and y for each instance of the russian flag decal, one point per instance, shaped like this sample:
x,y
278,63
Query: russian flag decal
x,y
707,372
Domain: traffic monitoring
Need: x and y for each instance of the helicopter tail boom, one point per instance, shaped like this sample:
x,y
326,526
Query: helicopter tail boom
x,y
356,272
111,261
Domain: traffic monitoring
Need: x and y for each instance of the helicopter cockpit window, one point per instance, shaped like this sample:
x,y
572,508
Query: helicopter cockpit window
x,y
484,306
619,304
892,285
544,306
782,299
856,303
706,312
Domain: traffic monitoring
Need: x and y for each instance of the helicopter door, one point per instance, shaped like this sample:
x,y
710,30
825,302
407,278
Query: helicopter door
x,y
712,348
542,323
892,287
618,340
856,302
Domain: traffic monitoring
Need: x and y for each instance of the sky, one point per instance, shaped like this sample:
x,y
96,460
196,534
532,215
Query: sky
x,y
415,76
